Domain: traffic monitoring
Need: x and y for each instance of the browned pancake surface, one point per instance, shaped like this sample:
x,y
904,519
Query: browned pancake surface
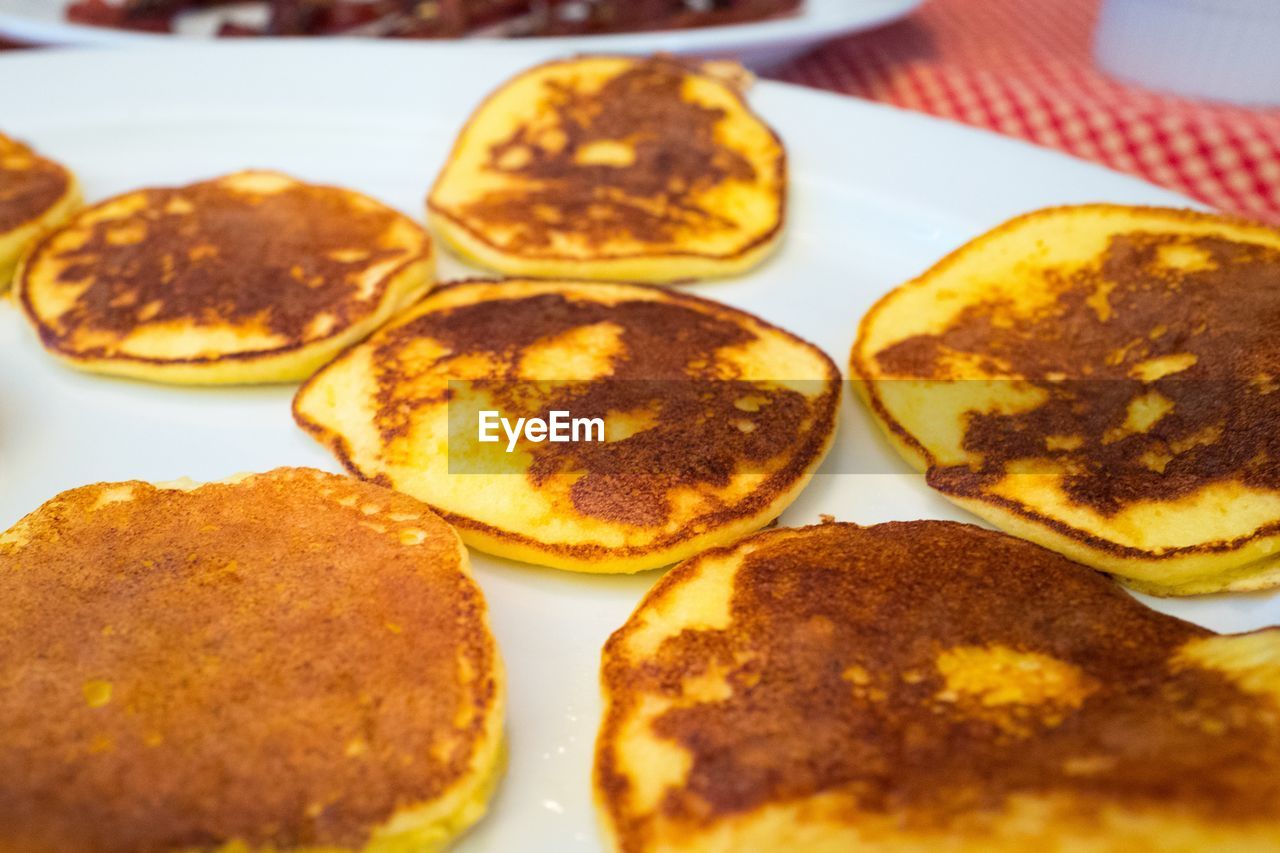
x,y
664,367
652,199
1133,308
655,157
29,184
212,254
835,656
268,661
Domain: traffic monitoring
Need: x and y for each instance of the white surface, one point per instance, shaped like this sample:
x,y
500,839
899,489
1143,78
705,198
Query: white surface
x,y
877,196
1221,49
759,45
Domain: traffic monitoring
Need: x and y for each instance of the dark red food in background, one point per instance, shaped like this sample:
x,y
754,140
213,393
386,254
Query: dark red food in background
x,y
442,18
132,16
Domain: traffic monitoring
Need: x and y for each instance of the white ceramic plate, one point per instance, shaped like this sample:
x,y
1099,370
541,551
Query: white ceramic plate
x,y
759,45
877,195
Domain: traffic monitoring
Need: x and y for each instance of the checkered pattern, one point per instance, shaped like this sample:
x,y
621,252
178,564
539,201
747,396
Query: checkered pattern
x,y
1024,68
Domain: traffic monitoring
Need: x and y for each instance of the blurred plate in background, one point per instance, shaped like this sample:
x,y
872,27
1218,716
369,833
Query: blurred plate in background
x,y
759,45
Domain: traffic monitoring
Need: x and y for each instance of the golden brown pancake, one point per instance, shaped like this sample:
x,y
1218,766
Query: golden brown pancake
x,y
284,661
1101,380
35,195
926,686
712,420
615,168
251,277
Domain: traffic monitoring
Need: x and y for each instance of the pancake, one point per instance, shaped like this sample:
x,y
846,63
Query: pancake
x,y
281,662
614,168
251,277
711,421
924,686
1101,380
35,195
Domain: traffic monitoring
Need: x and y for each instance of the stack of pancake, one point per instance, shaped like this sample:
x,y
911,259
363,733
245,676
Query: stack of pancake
x,y
302,661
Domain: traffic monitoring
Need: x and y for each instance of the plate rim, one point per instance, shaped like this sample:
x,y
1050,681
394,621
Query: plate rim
x,y
285,56
803,27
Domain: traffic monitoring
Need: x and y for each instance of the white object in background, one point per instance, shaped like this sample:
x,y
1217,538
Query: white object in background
x,y
1220,49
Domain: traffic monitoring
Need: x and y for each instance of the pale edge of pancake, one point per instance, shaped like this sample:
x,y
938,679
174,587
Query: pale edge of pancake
x,y
824,824
499,545
15,243
419,828
655,268
1208,571
405,285
1255,566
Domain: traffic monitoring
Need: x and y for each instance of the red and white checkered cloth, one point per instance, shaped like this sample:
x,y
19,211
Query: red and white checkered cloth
x,y
1025,68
